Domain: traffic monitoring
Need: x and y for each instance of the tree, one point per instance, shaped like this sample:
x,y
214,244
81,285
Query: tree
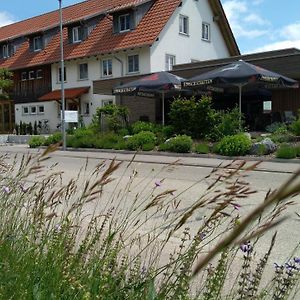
x,y
6,83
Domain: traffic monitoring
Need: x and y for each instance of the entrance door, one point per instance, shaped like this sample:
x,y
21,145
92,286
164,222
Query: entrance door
x,y
6,116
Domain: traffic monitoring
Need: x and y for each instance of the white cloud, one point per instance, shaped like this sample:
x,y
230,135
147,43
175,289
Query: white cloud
x,y
242,20
6,18
291,31
277,46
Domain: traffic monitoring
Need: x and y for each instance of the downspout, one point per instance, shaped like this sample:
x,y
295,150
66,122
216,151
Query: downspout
x,y
122,72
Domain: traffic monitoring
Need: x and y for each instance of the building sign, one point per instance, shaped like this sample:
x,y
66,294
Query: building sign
x,y
71,116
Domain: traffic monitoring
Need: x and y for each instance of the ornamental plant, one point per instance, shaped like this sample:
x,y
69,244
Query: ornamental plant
x,y
234,145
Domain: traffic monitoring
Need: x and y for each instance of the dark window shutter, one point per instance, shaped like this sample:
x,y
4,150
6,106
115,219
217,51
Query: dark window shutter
x,y
84,33
80,33
31,44
70,35
132,20
10,49
116,24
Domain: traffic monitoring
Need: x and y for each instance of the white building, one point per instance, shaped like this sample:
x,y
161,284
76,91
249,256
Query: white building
x,y
104,40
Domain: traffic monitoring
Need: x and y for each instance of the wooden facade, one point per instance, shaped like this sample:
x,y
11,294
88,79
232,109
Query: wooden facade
x,y
31,83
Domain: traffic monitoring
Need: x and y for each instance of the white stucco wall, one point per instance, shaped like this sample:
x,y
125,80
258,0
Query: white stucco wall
x,y
191,46
94,71
51,114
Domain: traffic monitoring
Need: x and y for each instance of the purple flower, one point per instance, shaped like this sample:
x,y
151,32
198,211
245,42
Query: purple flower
x,y
157,183
297,260
236,206
246,247
6,189
202,235
57,227
277,266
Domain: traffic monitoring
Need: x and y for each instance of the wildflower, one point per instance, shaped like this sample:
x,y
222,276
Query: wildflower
x,y
57,227
157,183
246,247
23,189
202,235
297,260
236,206
6,189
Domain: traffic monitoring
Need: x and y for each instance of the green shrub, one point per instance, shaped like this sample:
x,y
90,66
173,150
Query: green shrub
x,y
275,127
202,148
137,141
53,139
168,131
179,144
142,126
295,127
282,135
148,147
286,151
36,141
234,145
107,141
227,123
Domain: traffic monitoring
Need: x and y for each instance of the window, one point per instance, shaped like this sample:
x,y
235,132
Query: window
x,y
40,110
25,110
170,62
76,36
205,32
37,43
133,63
107,102
106,67
24,76
86,108
124,23
33,110
5,51
39,74
31,75
183,24
59,75
83,71
267,107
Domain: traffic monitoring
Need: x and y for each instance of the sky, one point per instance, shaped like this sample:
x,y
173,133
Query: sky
x,y
258,25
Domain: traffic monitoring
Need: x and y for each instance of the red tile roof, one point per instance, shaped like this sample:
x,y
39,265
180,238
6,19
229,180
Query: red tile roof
x,y
101,40
69,94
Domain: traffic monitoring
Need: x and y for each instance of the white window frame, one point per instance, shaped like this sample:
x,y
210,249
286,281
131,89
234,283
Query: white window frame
x,y
22,77
107,102
58,74
183,26
38,109
105,62
125,16
37,74
79,72
37,47
134,67
30,109
75,35
206,31
31,75
5,50
168,65
23,110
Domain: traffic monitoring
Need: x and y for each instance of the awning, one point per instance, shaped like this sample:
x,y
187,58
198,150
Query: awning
x,y
69,94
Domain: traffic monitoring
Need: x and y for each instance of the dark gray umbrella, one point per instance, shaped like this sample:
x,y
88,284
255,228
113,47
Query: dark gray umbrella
x,y
239,74
150,85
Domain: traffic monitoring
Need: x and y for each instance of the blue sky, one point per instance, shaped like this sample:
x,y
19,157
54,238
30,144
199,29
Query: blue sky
x,y
258,25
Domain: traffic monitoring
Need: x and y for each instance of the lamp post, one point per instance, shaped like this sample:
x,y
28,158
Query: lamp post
x,y
62,76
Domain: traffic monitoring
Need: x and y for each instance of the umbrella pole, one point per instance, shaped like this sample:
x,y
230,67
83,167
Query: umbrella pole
x,y
163,107
240,104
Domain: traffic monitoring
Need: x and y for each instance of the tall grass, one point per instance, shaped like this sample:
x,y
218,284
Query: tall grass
x,y
109,238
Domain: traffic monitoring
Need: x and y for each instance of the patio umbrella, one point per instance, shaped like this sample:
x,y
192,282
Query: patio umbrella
x,y
240,74
149,86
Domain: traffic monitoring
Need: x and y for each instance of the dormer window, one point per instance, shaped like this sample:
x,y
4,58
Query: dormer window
x,y
37,43
76,34
124,23
5,51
